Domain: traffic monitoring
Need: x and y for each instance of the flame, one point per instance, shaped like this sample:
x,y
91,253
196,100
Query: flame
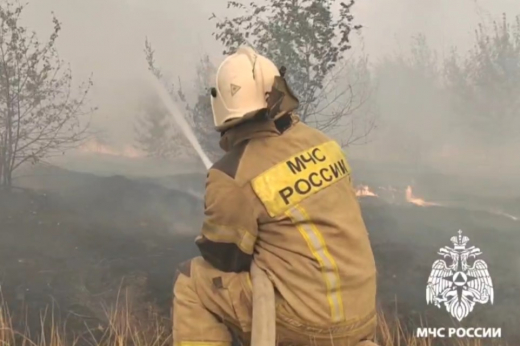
x,y
94,147
364,191
417,201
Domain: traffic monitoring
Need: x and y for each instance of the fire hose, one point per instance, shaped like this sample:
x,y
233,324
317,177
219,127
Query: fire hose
x,y
263,331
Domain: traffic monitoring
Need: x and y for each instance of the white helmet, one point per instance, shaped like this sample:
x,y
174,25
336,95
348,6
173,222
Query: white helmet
x,y
244,80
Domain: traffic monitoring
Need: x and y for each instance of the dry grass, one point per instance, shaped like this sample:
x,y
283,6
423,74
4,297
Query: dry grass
x,y
124,327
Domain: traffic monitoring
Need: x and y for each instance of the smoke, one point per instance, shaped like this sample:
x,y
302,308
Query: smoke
x,y
106,39
180,120
416,144
421,127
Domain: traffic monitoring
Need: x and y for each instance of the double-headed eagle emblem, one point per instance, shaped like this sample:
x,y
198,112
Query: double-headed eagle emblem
x,y
459,286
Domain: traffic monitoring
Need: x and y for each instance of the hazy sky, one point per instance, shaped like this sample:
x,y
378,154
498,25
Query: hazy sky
x,y
106,38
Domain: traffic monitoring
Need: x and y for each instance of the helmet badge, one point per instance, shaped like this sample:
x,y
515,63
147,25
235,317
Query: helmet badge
x,y
234,89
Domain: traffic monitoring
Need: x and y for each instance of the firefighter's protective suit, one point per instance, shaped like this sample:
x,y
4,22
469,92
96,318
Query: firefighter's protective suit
x,y
281,196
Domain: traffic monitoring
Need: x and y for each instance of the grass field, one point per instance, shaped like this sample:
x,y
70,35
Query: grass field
x,y
85,239
152,329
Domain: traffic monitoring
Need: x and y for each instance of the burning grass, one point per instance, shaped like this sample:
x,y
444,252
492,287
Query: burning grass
x,y
87,263
126,327
407,195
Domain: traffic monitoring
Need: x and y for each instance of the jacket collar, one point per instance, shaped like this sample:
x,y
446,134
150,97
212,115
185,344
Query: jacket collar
x,y
251,129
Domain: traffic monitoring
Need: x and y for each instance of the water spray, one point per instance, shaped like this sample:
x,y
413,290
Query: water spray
x,y
179,119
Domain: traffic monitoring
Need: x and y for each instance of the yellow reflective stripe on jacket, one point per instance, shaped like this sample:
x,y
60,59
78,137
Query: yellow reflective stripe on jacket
x,y
225,234
304,174
318,247
249,282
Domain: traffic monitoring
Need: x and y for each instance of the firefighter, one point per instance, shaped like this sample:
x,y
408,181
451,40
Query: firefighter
x,y
281,196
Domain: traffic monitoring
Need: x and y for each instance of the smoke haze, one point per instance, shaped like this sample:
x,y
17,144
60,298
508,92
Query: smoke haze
x,y
106,38
95,216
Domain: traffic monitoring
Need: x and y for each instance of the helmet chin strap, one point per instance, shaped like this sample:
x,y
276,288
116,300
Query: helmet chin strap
x,y
282,71
281,99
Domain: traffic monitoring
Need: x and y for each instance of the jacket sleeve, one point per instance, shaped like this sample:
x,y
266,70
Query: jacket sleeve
x,y
230,228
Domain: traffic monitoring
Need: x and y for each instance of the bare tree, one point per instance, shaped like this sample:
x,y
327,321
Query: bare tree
x,y
39,114
198,111
485,83
413,102
154,133
311,42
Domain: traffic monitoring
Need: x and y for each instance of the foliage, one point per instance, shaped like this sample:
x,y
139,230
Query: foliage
x,y
198,113
412,101
485,83
465,101
305,37
153,132
39,116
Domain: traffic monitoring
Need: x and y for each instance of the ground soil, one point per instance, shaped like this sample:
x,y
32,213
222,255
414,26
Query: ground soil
x,y
75,244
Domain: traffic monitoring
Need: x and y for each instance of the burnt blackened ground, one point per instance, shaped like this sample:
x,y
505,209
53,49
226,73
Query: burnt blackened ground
x,y
406,240
79,248
81,240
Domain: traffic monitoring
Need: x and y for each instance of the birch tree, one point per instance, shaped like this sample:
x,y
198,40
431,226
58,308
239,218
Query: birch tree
x,y
40,113
310,39
198,111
